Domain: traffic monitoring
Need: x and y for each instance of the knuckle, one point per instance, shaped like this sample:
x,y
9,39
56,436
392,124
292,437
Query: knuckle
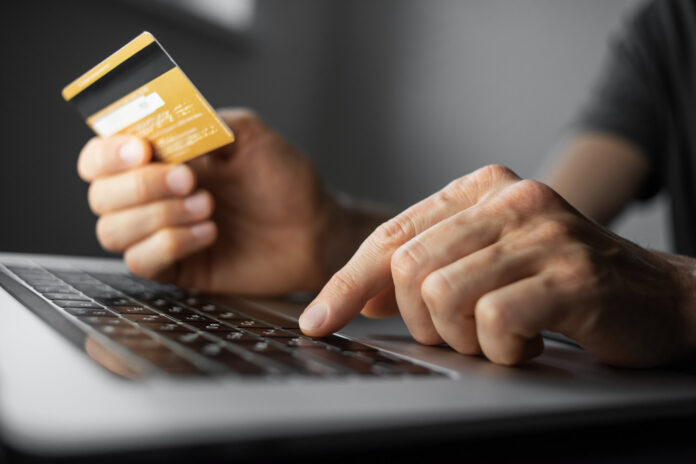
x,y
578,264
162,215
554,229
408,260
535,195
392,233
497,172
140,184
343,283
436,291
454,193
453,189
491,315
107,235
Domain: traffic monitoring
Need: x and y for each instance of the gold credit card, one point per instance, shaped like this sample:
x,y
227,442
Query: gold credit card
x,y
140,91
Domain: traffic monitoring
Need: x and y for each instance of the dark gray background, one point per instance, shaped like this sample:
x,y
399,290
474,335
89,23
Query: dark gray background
x,y
390,98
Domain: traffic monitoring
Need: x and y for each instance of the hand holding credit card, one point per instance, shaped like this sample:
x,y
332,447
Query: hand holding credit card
x,y
140,91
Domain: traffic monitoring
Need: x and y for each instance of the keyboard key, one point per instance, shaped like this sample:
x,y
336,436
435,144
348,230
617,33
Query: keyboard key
x,y
296,331
131,310
195,317
192,340
271,318
104,294
259,346
140,294
177,312
53,288
212,327
269,332
158,302
164,326
209,308
76,304
101,320
95,291
231,317
146,318
66,296
211,349
115,301
89,312
249,324
123,330
239,337
300,342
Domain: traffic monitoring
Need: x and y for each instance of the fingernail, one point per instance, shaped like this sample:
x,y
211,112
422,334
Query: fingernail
x,y
203,231
313,317
179,180
131,152
197,204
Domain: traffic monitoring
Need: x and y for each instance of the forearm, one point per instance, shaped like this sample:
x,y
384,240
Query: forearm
x,y
598,174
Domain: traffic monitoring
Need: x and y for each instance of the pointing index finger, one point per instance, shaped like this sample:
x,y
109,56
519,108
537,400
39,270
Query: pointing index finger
x,y
369,270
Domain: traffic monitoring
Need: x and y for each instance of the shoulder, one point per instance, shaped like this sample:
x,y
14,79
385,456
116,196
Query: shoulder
x,y
662,19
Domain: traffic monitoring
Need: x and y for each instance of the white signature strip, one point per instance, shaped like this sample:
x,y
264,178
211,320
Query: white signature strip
x,y
127,114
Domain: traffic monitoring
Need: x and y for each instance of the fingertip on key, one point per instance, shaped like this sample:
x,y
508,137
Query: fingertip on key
x,y
313,317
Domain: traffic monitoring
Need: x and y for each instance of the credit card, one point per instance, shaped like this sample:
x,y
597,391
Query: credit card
x,y
140,91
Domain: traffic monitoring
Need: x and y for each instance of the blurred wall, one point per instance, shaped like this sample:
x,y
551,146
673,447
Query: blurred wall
x,y
391,98
430,90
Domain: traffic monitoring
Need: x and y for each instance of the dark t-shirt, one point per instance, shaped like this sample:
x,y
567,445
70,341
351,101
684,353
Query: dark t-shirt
x,y
647,95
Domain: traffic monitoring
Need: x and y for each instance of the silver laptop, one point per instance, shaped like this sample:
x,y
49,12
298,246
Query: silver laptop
x,y
95,360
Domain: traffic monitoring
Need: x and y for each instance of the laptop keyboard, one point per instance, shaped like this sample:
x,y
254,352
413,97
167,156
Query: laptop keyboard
x,y
172,332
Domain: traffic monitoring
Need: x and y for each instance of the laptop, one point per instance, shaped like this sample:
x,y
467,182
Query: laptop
x,y
94,360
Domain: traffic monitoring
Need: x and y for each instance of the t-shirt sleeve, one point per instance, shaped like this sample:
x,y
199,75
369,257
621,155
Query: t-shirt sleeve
x,y
625,100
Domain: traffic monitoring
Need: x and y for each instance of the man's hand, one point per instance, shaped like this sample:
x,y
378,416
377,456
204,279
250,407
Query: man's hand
x,y
267,234
491,260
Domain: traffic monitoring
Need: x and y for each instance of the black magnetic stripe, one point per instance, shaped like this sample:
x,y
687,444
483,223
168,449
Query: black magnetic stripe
x,y
136,71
